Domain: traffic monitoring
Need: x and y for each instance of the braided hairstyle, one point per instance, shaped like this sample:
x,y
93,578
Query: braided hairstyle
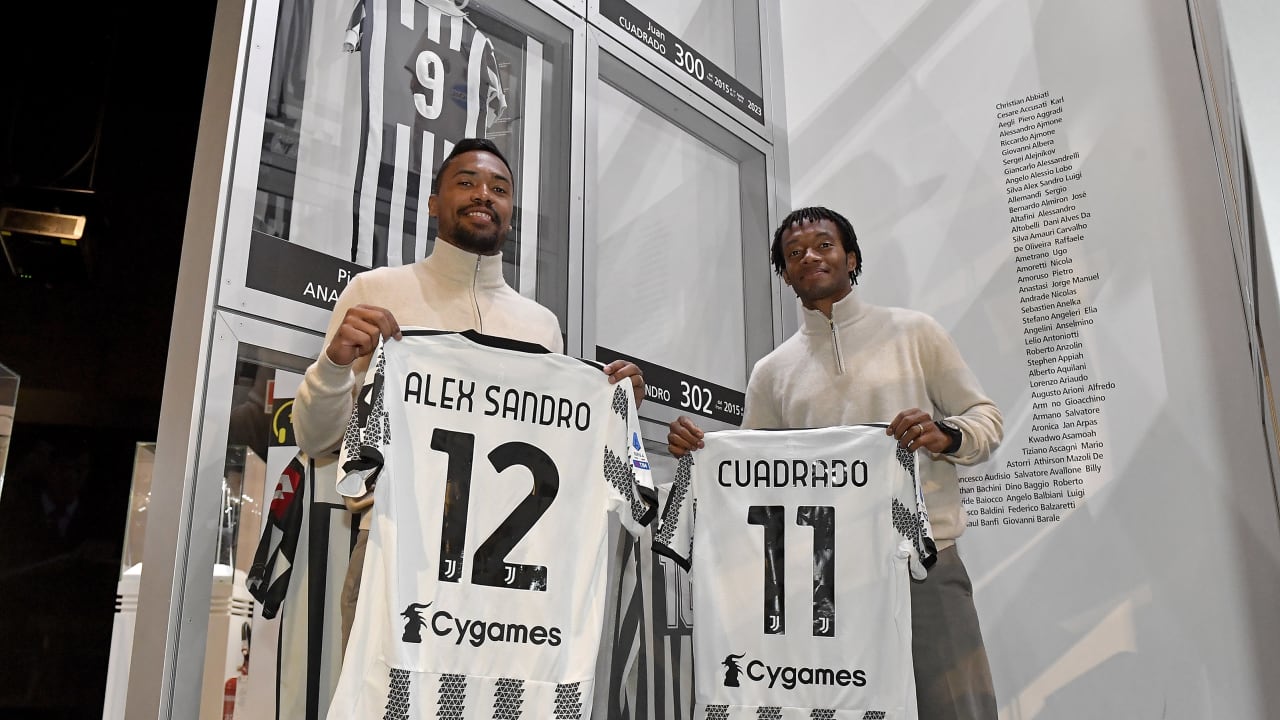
x,y
814,214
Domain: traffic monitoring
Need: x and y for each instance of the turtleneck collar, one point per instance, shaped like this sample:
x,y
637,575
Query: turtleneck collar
x,y
459,266
845,311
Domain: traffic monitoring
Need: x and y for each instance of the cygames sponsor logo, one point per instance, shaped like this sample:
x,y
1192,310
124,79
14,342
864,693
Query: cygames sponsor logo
x,y
476,632
789,677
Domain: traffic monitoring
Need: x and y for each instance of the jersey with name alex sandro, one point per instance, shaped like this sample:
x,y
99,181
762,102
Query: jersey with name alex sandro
x,y
494,465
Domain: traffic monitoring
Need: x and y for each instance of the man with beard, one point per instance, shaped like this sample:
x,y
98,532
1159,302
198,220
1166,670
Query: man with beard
x,y
459,286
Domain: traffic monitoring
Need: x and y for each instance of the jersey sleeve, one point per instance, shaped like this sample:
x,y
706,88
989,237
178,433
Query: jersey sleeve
x,y
368,433
268,579
626,467
911,518
491,94
674,536
351,39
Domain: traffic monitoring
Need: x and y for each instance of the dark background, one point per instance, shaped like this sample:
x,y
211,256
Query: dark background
x,y
101,103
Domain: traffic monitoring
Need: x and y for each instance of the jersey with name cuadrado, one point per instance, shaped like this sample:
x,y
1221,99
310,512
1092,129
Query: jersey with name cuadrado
x,y
801,546
494,466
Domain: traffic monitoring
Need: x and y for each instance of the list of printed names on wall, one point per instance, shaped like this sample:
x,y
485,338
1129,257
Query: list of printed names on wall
x,y
1047,474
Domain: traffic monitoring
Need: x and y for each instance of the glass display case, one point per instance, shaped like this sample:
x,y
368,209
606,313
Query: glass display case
x,y
710,47
135,529
240,514
8,404
272,647
345,120
667,174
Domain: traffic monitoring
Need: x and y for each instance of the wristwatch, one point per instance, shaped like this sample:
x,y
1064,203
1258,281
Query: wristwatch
x,y
950,430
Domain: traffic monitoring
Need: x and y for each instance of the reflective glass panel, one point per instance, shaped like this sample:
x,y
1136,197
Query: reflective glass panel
x,y
8,404
705,24
364,104
726,32
669,258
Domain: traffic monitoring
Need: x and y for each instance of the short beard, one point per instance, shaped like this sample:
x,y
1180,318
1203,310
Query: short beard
x,y
487,244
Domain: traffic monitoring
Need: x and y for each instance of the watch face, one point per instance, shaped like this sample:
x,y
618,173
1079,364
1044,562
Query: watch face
x,y
949,430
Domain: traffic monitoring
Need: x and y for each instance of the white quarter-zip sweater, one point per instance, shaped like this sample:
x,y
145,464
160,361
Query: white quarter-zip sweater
x,y
865,364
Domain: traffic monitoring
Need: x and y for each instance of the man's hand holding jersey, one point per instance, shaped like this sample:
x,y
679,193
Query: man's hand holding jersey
x,y
358,335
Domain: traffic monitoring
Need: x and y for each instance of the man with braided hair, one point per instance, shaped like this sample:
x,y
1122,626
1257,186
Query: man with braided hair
x,y
852,363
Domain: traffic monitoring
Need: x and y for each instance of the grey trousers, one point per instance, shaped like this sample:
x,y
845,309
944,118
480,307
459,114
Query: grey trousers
x,y
953,679
351,586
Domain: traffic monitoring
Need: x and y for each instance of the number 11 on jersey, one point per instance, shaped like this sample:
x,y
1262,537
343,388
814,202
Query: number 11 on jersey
x,y
822,519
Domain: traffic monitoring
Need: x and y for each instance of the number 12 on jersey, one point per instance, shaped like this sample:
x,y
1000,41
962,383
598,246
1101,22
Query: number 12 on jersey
x,y
490,566
822,519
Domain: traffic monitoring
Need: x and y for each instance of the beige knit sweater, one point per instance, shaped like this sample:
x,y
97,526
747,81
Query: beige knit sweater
x,y
450,289
865,365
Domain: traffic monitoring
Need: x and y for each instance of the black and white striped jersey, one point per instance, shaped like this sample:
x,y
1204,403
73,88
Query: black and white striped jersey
x,y
296,577
804,548
428,78
494,466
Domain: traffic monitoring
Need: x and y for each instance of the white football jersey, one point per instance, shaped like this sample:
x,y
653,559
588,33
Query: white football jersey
x,y
494,464
804,547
